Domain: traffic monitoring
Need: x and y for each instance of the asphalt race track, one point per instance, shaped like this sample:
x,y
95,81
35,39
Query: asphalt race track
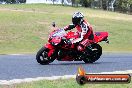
x,y
25,66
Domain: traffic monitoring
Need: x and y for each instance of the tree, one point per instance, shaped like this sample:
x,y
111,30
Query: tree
x,y
124,5
105,4
73,2
53,2
86,3
77,2
62,2
130,5
14,1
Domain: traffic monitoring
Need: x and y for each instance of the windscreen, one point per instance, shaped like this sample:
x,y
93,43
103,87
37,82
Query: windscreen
x,y
60,33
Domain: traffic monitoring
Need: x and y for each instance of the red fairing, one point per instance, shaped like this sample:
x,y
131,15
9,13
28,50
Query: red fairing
x,y
51,49
73,35
51,52
100,36
56,37
49,46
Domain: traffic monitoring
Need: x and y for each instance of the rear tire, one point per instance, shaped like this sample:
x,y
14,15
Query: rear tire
x,y
42,56
94,55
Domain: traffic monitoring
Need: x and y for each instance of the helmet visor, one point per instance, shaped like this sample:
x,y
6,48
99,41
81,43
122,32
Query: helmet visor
x,y
76,21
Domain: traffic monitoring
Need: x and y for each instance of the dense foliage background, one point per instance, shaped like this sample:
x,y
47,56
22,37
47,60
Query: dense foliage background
x,y
118,5
124,6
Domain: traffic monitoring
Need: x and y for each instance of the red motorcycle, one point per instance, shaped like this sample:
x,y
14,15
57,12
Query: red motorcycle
x,y
59,49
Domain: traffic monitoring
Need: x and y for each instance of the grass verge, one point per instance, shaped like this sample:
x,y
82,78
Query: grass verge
x,y
71,83
24,28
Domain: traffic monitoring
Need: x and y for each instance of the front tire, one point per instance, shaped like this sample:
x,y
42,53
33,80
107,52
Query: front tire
x,y
42,56
94,54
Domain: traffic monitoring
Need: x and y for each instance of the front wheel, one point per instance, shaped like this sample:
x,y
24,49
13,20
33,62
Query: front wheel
x,y
42,56
94,54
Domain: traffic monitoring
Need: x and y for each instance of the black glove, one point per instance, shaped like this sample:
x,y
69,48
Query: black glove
x,y
68,42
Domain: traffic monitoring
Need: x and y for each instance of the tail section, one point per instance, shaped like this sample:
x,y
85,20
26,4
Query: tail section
x,y
100,36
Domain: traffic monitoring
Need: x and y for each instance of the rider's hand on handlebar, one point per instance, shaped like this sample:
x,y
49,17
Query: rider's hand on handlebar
x,y
67,41
64,39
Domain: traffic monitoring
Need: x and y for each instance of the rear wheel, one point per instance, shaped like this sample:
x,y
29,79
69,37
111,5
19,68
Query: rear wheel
x,y
92,55
42,56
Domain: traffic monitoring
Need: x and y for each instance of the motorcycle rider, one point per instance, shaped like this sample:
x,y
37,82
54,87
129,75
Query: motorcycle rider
x,y
83,28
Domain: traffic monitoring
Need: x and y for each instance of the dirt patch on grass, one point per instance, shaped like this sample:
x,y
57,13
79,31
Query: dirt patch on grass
x,y
124,18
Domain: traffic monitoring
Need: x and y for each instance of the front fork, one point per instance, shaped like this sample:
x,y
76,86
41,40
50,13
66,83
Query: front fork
x,y
51,49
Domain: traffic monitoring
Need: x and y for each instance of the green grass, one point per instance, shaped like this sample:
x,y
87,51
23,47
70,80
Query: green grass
x,y
25,28
71,83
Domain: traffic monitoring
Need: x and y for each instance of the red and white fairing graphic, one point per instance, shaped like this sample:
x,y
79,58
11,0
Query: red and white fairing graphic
x,y
57,48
